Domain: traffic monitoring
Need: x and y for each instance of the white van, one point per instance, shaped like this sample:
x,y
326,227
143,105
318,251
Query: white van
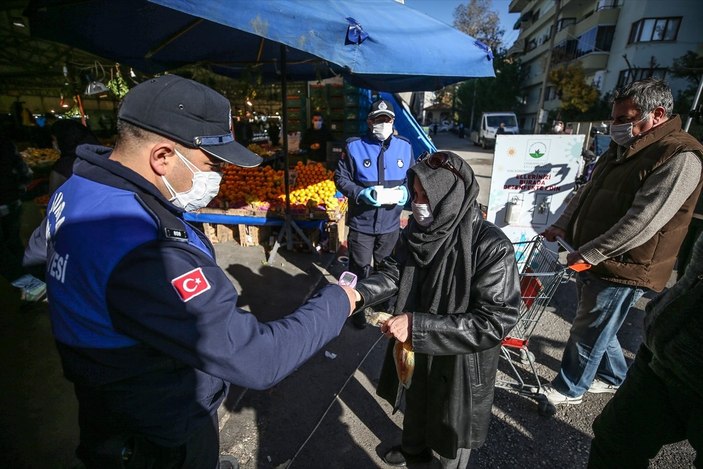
x,y
485,135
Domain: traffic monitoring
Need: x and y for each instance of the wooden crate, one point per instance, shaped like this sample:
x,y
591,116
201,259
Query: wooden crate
x,y
219,233
250,235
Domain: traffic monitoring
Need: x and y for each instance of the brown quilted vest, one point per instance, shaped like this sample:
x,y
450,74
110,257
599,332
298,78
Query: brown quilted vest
x,y
610,194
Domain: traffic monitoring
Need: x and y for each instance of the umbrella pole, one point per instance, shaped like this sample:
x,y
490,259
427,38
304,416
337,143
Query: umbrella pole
x,y
288,223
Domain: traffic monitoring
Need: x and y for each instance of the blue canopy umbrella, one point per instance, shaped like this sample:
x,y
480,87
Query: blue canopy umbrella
x,y
375,44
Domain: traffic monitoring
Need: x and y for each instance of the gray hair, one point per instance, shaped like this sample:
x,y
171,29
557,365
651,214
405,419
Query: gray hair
x,y
646,95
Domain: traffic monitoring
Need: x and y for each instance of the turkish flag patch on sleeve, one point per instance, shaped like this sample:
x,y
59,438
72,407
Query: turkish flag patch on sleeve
x,y
191,284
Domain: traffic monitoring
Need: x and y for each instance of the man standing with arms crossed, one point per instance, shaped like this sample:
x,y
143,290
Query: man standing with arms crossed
x,y
628,222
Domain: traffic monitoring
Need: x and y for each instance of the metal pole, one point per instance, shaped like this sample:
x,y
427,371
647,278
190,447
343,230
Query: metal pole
x,y
284,125
473,105
543,89
694,106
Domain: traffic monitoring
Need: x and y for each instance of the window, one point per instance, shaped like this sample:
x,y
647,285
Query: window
x,y
628,76
564,22
550,93
598,39
654,29
605,4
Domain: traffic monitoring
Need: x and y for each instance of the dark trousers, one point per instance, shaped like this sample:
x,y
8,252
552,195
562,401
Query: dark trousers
x,y
695,229
365,247
106,442
645,414
11,247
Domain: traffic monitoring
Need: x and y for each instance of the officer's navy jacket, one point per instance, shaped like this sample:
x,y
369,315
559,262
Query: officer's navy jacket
x,y
368,162
145,321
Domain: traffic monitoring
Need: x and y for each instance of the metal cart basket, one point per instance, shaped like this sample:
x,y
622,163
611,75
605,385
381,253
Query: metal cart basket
x,y
541,273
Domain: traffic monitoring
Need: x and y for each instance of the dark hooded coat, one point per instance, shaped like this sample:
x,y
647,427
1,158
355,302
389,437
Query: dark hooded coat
x,y
460,280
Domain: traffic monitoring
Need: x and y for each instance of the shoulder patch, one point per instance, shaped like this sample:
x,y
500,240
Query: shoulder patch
x,y
191,284
176,234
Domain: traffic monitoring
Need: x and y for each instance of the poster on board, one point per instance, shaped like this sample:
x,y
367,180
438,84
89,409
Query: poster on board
x,y
532,179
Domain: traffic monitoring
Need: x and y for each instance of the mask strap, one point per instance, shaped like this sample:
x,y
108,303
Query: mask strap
x,y
170,188
193,169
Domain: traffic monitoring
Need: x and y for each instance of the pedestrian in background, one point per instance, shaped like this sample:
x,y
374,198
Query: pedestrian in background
x,y
458,297
661,400
14,176
146,323
628,223
376,162
315,138
67,134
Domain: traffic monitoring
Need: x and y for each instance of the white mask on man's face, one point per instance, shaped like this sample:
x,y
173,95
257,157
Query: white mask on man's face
x,y
317,125
206,185
622,133
382,130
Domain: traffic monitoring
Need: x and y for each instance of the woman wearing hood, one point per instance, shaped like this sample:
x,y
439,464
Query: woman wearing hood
x,y
458,296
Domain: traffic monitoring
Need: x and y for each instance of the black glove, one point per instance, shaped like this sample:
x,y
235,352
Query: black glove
x,y
380,285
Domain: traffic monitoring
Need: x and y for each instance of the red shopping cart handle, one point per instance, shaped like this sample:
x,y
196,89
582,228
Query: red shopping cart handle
x,y
580,267
514,342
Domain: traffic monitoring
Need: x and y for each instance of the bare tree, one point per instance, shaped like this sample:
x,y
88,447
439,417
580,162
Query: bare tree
x,y
479,21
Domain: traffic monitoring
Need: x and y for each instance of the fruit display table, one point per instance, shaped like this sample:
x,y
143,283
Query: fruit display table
x,y
251,204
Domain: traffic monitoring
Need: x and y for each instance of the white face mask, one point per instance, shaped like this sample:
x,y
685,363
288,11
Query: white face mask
x,y
422,214
206,185
317,125
382,131
622,133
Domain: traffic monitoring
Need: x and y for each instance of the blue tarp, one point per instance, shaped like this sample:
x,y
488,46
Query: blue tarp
x,y
377,44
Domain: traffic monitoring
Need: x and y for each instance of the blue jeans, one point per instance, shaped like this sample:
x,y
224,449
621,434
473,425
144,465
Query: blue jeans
x,y
593,347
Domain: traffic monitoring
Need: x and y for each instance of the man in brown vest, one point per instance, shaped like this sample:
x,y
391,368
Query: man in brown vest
x,y
628,222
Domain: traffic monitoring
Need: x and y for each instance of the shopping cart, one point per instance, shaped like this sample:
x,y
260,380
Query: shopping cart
x,y
541,273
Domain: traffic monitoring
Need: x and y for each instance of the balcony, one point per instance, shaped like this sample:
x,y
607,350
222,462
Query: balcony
x,y
594,61
516,6
517,49
601,17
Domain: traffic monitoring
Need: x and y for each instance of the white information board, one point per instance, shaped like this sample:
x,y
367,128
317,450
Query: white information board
x,y
532,179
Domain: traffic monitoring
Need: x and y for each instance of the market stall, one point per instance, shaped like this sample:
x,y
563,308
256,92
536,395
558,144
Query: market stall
x,y
251,204
40,161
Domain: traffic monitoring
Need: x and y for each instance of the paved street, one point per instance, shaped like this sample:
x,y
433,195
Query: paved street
x,y
325,415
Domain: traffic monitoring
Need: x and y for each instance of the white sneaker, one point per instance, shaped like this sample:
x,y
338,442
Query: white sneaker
x,y
601,387
556,398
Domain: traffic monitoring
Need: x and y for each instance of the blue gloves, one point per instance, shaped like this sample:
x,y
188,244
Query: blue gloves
x,y
404,198
368,196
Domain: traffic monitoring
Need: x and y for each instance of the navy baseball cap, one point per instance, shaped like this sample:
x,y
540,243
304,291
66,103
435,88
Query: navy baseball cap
x,y
189,113
381,107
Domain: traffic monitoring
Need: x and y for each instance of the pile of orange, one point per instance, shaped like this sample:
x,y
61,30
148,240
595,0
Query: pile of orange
x,y
263,187
313,186
242,186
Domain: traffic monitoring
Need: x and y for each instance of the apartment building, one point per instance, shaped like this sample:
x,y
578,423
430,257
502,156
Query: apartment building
x,y
615,41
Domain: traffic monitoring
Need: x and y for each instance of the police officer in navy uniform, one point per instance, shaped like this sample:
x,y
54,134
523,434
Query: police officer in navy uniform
x,y
146,323
379,158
